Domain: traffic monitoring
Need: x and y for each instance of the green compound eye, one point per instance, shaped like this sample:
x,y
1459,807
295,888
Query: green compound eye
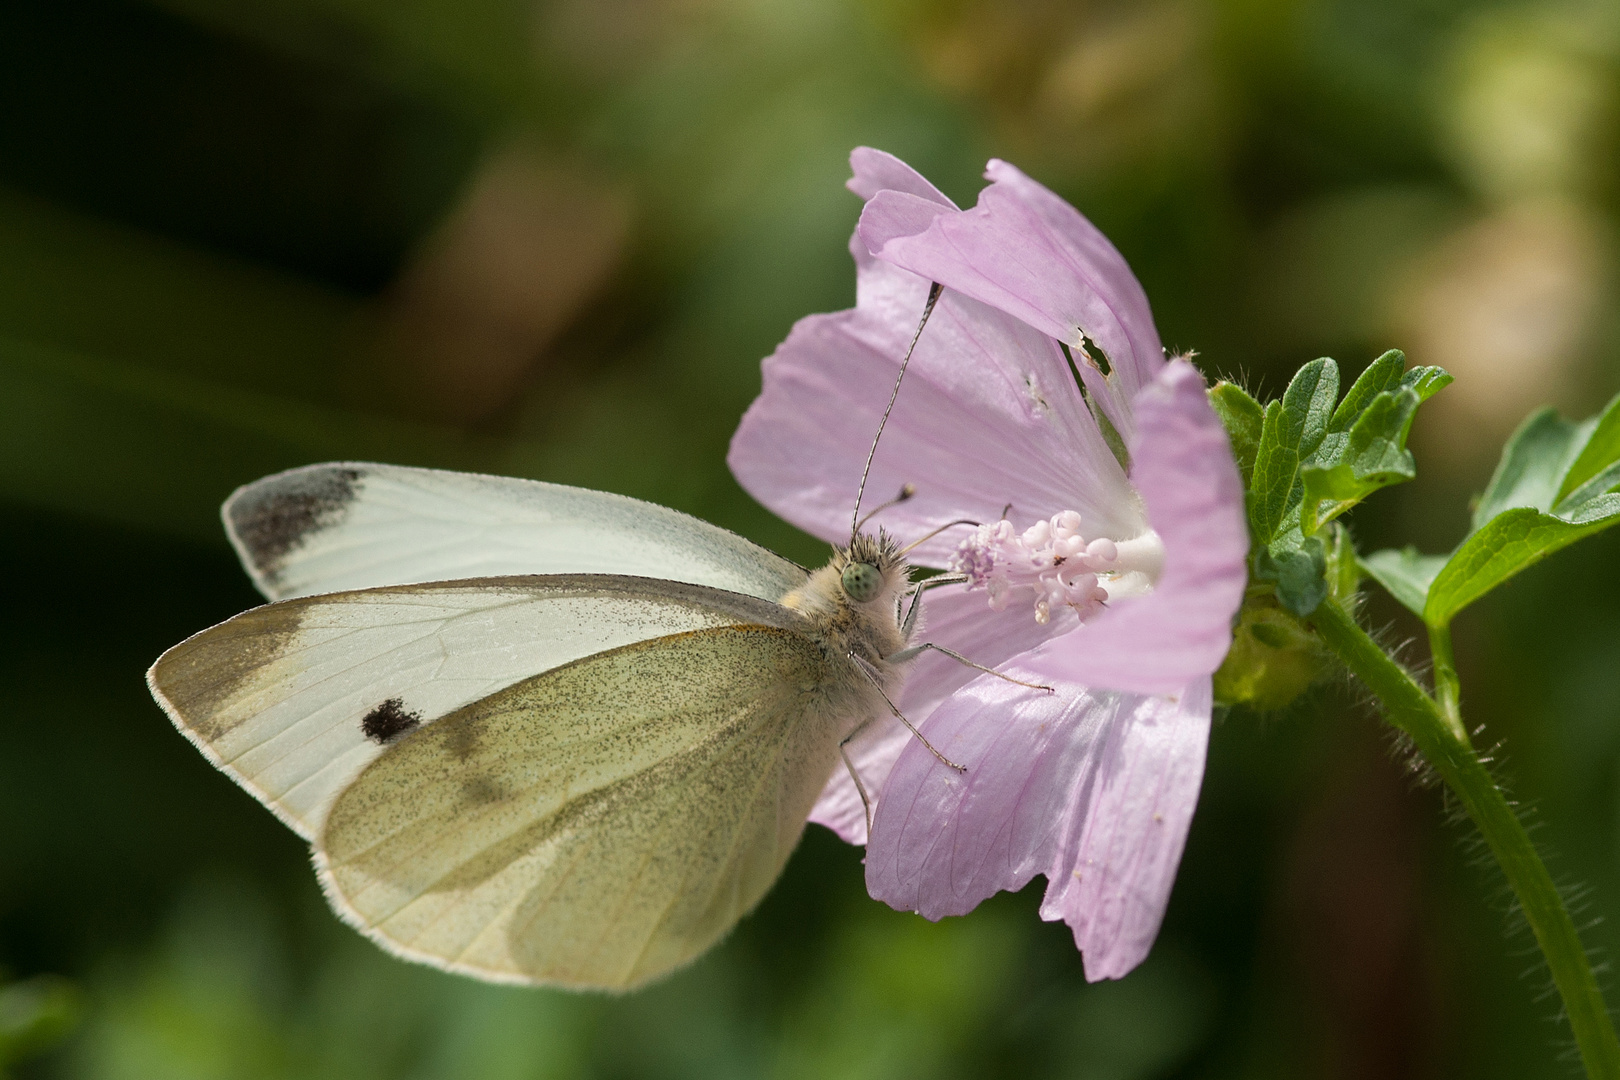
x,y
862,581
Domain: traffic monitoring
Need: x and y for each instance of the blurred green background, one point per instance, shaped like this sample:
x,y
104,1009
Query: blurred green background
x,y
553,238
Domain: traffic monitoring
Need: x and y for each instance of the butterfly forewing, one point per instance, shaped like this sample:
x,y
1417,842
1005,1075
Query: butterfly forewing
x,y
597,825
293,699
354,525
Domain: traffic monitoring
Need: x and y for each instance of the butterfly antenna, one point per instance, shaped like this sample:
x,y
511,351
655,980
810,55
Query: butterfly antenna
x,y
906,492
924,539
928,309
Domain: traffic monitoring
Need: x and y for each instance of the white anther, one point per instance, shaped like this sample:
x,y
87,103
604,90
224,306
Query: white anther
x,y
1058,566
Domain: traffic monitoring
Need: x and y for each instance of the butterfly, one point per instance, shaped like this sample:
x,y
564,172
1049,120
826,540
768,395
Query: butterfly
x,y
534,733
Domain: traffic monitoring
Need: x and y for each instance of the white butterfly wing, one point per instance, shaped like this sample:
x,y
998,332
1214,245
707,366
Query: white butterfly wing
x,y
352,525
595,826
282,697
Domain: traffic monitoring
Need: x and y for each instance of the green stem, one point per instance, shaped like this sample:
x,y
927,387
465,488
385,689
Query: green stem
x,y
1442,741
1447,688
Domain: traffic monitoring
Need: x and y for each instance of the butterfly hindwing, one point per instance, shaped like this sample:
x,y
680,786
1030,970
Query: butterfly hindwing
x,y
597,825
294,699
353,525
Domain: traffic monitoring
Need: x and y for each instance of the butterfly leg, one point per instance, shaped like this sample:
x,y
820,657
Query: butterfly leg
x,y
854,774
914,651
910,623
872,677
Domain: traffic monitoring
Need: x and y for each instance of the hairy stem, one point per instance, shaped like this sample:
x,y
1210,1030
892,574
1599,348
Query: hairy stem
x,y
1443,742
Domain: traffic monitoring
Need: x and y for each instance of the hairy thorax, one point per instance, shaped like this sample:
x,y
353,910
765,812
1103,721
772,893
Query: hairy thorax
x,y
858,636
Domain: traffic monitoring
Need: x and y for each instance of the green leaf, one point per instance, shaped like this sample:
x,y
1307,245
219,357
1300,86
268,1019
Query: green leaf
x,y
1427,381
1382,374
1275,464
1406,574
1373,455
1555,484
1508,543
1600,452
1292,429
1243,419
1308,402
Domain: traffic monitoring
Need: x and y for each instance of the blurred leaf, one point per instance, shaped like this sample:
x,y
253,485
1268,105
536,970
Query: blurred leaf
x,y
35,1015
161,451
1243,419
72,282
1599,455
1140,1027
1533,465
888,998
1405,573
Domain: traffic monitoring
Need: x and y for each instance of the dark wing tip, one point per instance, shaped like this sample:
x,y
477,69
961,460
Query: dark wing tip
x,y
270,518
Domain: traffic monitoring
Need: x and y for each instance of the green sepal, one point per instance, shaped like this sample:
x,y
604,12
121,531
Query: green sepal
x,y
1343,573
1298,568
1406,574
1274,658
1243,418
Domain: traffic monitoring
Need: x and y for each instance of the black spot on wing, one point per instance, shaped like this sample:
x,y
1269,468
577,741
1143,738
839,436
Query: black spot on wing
x,y
274,517
389,721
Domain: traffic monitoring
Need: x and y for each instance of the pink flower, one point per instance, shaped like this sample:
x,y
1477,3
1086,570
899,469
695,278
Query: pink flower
x,y
1117,590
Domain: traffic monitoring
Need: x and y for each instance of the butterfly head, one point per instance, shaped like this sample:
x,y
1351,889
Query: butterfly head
x,y
871,568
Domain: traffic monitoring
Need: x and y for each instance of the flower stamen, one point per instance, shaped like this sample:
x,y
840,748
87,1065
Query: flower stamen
x,y
1055,561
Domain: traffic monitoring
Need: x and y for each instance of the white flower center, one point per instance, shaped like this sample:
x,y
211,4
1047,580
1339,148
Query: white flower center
x,y
1057,564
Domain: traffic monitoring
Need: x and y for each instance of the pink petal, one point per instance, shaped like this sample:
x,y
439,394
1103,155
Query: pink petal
x,y
1182,466
1114,885
1027,252
1099,785
877,170
989,415
956,619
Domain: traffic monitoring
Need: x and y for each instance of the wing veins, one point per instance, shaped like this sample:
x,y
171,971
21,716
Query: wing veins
x,y
662,825
731,852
